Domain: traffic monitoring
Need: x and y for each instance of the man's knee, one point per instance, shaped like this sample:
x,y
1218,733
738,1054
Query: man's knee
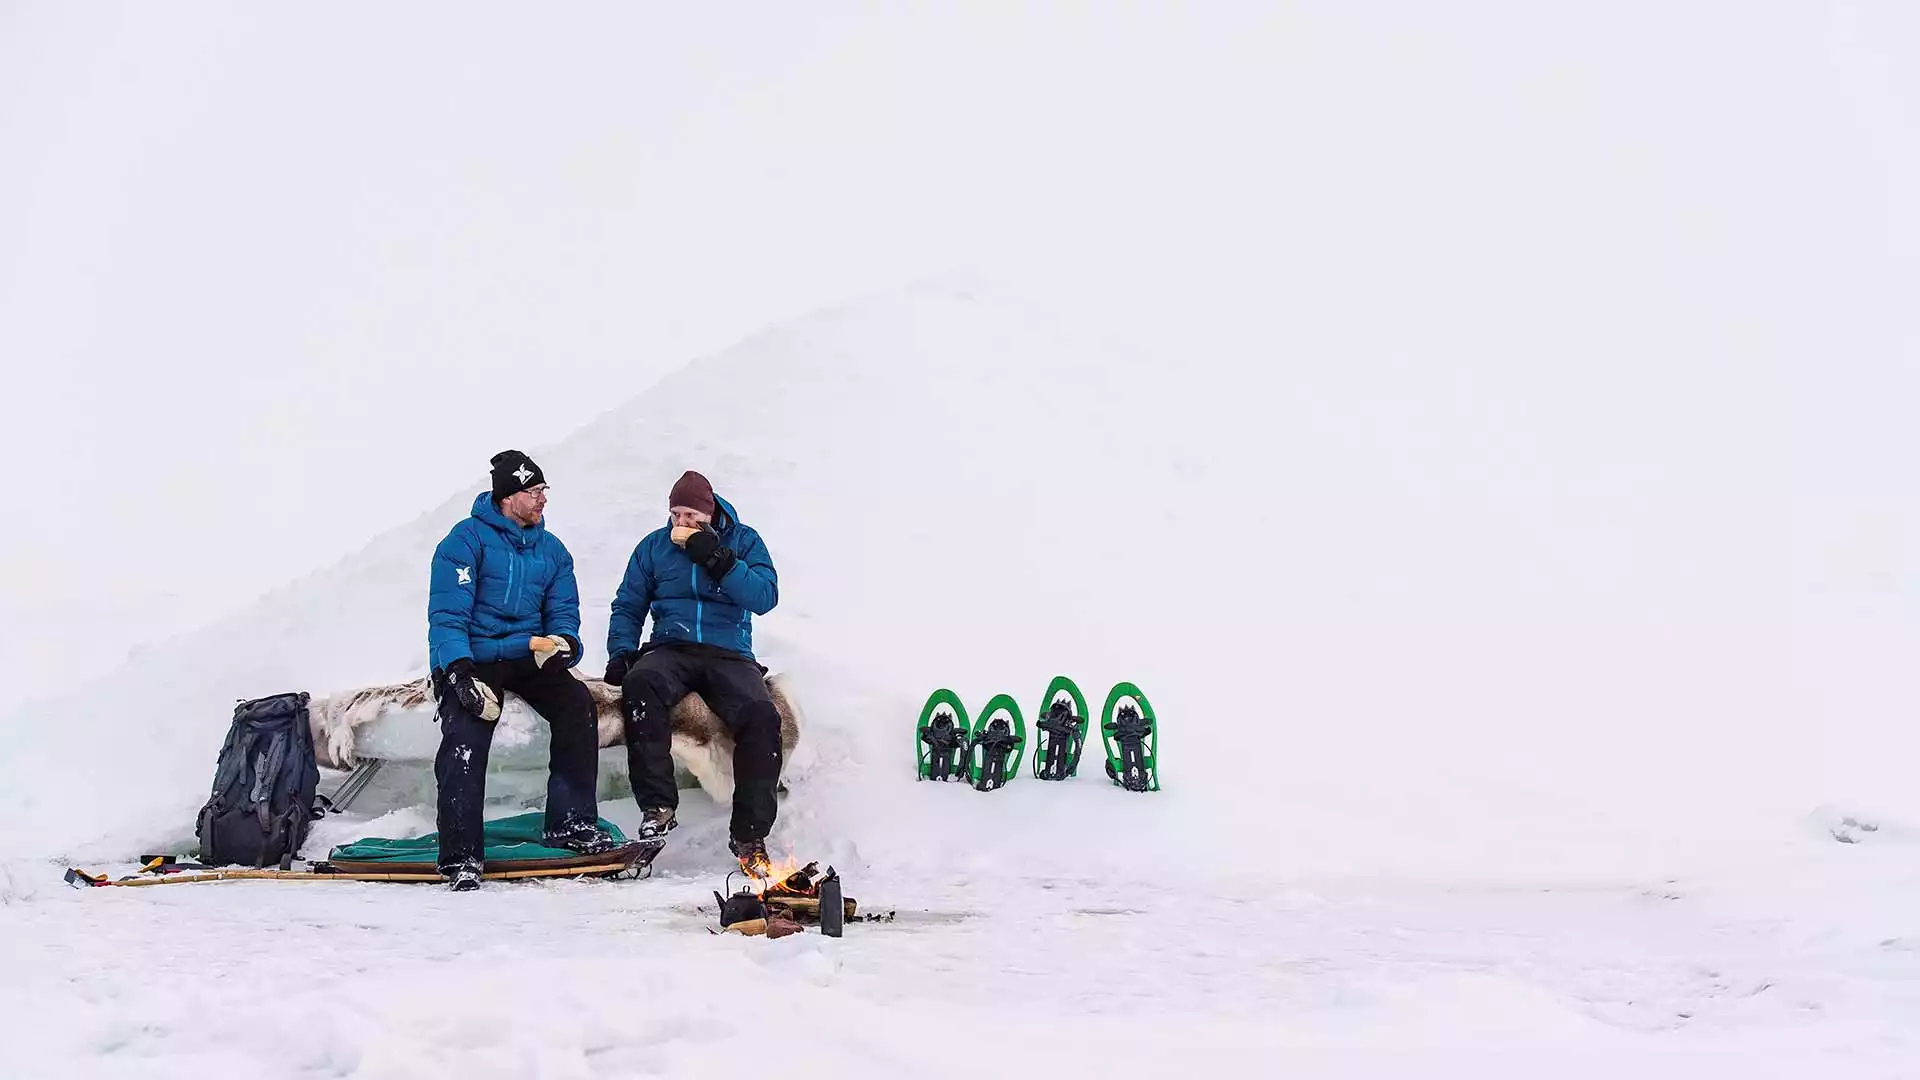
x,y
648,711
458,727
757,724
554,693
576,706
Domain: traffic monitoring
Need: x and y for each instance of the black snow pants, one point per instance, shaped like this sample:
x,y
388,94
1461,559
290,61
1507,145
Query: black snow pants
x,y
460,768
735,688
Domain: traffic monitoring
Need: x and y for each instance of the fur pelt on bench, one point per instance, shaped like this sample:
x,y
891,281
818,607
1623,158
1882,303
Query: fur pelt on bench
x,y
701,744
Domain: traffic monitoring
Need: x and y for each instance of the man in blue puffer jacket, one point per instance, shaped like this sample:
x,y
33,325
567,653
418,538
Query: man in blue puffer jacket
x,y
503,613
702,578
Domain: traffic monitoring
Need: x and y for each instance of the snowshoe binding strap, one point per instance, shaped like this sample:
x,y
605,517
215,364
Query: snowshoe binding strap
x,y
1130,731
1066,735
945,744
996,745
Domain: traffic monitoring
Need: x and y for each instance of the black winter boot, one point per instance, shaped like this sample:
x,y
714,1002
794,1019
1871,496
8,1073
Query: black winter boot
x,y
463,877
655,824
581,838
753,857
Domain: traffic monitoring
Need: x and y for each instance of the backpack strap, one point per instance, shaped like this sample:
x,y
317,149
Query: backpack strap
x,y
232,765
266,773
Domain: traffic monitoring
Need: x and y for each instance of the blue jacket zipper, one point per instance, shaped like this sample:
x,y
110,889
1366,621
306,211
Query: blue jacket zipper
x,y
513,562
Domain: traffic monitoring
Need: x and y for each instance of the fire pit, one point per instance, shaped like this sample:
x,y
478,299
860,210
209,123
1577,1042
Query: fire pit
x,y
786,903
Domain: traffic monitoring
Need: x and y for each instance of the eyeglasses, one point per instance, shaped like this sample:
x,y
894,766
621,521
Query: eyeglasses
x,y
539,489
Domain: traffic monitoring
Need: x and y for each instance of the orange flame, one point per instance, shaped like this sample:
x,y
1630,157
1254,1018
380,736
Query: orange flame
x,y
780,868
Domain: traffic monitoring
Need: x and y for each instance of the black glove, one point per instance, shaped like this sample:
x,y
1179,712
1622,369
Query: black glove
x,y
704,548
573,650
617,668
472,695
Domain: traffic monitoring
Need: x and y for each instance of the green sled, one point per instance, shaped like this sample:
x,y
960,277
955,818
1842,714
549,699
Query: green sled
x,y
511,844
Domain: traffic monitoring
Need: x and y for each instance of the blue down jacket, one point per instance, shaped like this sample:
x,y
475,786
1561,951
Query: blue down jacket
x,y
494,585
686,603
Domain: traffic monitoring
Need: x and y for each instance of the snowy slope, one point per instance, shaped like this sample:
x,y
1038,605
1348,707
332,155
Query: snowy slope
x,y
1438,776
1395,611
926,468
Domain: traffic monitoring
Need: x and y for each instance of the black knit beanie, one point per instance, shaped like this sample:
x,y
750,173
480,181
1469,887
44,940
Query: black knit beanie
x,y
514,472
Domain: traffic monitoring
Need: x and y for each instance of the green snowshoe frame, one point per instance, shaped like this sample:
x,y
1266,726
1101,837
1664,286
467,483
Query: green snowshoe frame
x,y
947,699
977,754
1060,684
1150,745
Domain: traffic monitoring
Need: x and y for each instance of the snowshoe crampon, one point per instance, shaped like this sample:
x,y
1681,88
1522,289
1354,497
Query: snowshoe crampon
x,y
942,739
1062,728
999,740
1131,736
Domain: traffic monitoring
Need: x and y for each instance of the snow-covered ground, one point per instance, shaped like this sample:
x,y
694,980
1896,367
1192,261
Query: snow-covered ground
x,y
1452,785
1731,974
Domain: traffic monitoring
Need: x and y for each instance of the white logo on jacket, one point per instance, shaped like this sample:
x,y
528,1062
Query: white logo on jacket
x,y
463,574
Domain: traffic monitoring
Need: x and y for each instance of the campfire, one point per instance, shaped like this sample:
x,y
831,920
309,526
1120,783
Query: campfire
x,y
788,900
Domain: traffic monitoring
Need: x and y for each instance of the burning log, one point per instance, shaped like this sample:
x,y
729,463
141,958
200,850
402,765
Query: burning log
x,y
799,883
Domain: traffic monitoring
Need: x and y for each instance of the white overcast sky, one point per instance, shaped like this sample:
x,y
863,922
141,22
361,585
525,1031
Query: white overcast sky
x,y
273,278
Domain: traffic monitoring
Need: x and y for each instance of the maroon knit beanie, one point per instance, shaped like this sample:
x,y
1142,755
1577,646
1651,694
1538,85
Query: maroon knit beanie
x,y
692,491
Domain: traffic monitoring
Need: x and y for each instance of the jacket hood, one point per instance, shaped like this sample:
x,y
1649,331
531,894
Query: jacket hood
x,y
724,517
489,514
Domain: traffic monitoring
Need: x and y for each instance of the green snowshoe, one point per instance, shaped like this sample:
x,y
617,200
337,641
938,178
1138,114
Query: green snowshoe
x,y
1128,730
942,739
1063,731
997,744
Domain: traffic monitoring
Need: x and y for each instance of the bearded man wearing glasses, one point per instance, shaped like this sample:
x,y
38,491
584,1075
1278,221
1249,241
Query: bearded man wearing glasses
x,y
503,613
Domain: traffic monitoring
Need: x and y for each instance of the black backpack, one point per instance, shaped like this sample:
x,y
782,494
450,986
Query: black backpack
x,y
264,787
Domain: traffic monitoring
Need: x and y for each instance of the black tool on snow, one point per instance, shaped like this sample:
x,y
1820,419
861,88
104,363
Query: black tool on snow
x,y
833,906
